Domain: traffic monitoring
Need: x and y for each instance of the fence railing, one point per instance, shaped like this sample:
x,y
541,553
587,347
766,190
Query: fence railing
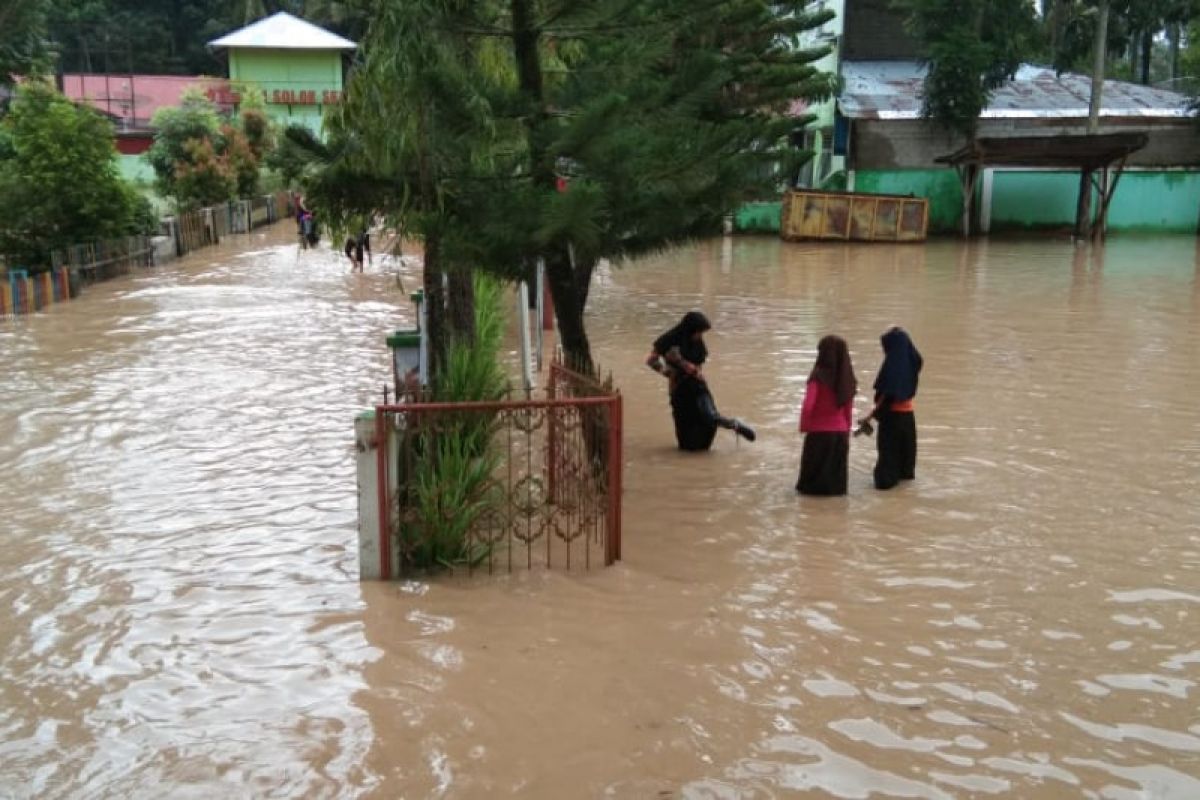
x,y
22,293
509,484
25,291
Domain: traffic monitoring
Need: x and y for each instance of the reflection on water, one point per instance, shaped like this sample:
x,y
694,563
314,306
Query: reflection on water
x,y
183,615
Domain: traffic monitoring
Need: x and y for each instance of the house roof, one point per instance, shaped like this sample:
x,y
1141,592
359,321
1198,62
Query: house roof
x,y
132,100
892,90
282,31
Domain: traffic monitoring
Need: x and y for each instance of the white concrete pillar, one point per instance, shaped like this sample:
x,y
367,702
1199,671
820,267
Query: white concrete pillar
x,y
370,566
370,559
985,201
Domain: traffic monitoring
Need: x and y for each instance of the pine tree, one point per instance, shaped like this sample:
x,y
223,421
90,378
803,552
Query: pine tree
x,y
663,117
464,117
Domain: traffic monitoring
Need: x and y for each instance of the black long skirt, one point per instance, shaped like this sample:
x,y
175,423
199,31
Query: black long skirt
x,y
824,464
694,414
897,445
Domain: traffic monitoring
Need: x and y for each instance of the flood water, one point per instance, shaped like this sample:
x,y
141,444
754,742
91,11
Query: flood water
x,y
178,572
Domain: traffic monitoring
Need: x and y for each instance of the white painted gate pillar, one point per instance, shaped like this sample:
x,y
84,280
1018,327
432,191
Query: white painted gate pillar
x,y
370,556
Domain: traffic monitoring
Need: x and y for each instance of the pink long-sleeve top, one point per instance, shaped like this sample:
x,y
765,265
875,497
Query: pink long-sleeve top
x,y
821,413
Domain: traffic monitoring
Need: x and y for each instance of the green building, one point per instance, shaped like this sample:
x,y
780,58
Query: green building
x,y
298,66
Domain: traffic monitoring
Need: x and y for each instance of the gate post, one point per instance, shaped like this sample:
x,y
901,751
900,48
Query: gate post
x,y
612,551
552,433
375,447
370,563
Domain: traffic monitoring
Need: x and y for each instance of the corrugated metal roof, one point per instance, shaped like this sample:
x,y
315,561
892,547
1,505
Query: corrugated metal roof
x,y
892,90
282,31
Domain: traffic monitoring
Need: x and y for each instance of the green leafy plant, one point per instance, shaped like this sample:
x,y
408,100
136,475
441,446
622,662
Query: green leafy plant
x,y
453,454
59,183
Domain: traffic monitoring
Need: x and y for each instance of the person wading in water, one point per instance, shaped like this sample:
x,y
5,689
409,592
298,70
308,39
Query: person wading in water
x,y
895,388
825,420
679,354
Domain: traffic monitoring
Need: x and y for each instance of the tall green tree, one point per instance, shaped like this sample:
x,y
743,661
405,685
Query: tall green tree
x,y
23,43
662,116
464,119
971,47
200,159
59,183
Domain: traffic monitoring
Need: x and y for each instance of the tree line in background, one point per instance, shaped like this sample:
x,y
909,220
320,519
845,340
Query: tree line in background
x,y
145,36
972,47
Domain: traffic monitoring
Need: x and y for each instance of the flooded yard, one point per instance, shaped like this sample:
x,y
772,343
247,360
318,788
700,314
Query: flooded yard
x,y
179,573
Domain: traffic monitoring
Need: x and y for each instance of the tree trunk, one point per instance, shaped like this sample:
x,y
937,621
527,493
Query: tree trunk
x,y
1134,41
1173,43
1099,48
461,305
568,309
1147,51
560,275
1083,208
435,305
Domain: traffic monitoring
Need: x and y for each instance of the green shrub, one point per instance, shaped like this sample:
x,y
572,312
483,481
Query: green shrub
x,y
453,454
59,182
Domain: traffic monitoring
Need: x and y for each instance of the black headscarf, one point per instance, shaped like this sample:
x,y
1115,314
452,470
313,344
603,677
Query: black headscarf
x,y
683,337
833,368
902,364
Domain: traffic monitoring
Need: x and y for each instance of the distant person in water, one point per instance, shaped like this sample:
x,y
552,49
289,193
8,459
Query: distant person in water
x,y
680,354
825,418
895,388
355,246
306,222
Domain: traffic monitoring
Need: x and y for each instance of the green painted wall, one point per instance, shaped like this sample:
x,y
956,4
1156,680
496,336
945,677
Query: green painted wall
x,y
1027,200
272,71
1165,201
940,186
758,217
1158,201
135,169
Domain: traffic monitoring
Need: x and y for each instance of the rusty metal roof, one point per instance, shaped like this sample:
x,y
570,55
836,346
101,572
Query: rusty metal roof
x,y
1091,151
892,90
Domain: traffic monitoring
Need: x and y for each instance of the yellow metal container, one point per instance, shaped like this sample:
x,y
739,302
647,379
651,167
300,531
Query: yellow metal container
x,y
852,217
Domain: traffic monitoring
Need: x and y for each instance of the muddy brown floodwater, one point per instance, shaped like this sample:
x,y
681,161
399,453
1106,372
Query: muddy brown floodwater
x,y
182,616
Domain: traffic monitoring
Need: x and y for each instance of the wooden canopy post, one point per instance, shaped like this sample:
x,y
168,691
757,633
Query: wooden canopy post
x,y
1083,205
1101,229
968,176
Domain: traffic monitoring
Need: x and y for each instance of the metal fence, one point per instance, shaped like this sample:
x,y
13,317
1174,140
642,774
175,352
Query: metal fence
x,y
510,484
98,261
192,230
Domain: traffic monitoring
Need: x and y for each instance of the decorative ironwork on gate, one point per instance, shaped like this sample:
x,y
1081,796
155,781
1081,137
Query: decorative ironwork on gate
x,y
502,485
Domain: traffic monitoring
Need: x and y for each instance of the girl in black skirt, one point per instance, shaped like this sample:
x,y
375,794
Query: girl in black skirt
x,y
679,354
825,420
895,388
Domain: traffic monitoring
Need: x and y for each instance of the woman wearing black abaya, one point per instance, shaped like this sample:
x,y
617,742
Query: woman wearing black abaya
x,y
679,354
895,388
825,420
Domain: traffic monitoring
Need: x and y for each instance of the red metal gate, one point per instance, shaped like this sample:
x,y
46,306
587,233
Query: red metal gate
x,y
513,483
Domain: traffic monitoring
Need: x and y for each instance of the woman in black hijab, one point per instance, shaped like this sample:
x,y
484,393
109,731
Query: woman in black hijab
x,y
825,420
895,388
679,354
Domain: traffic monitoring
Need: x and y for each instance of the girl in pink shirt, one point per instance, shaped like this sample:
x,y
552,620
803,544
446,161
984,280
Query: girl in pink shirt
x,y
825,420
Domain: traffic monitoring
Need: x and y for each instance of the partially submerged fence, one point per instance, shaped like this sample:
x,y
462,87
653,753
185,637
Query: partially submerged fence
x,y
22,293
24,290
100,261
192,230
493,485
